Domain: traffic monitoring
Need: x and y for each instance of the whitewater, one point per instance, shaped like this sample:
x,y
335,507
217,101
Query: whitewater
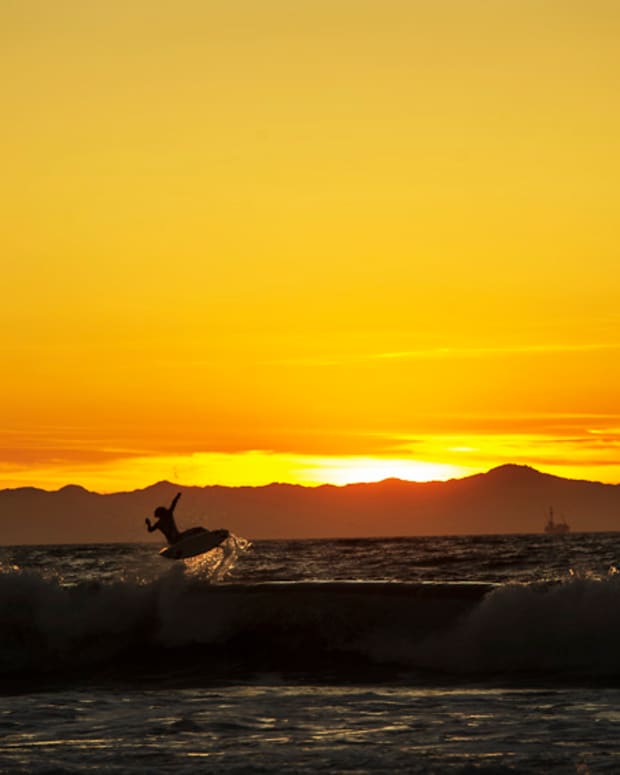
x,y
445,655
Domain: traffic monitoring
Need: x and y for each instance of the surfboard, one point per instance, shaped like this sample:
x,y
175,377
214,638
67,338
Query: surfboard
x,y
197,542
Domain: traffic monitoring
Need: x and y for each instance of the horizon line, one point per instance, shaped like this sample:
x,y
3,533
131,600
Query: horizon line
x,y
304,485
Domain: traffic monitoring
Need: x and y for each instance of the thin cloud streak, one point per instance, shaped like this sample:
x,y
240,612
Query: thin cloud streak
x,y
441,352
475,352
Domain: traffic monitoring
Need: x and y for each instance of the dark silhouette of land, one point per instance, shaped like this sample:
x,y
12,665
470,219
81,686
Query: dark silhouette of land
x,y
508,499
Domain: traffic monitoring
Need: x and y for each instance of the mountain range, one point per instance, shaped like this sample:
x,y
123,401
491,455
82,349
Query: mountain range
x,y
507,499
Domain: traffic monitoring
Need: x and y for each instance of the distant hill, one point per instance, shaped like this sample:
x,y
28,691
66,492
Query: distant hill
x,y
508,499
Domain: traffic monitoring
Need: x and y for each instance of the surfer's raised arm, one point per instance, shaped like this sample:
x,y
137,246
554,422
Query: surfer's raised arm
x,y
174,502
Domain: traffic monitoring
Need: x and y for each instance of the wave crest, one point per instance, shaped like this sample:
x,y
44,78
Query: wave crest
x,y
182,624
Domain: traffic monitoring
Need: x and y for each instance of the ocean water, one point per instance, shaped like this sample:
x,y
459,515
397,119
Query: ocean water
x,y
479,654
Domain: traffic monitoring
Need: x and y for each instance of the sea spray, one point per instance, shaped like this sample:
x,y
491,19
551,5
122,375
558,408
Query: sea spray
x,y
47,626
218,563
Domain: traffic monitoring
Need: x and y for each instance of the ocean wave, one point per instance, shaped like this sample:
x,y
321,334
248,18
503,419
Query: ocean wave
x,y
552,629
184,627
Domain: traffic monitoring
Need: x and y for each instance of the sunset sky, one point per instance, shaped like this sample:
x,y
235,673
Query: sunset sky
x,y
308,240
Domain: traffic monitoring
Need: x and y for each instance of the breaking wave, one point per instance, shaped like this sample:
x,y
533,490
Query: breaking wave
x,y
183,627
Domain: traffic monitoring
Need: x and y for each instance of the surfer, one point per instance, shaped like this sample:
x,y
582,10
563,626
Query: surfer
x,y
165,521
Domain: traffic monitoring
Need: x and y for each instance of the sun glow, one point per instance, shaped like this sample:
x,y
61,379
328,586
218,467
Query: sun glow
x,y
359,469
567,447
253,468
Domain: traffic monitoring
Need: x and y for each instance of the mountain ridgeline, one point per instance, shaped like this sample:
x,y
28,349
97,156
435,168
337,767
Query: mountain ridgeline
x,y
508,499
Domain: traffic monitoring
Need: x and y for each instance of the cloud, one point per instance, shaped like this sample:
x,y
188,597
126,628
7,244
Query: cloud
x,y
437,353
481,352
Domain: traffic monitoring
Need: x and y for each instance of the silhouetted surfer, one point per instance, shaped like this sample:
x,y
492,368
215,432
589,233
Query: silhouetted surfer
x,y
165,521
167,525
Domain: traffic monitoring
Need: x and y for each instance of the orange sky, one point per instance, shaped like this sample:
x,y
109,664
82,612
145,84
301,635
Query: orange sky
x,y
308,241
